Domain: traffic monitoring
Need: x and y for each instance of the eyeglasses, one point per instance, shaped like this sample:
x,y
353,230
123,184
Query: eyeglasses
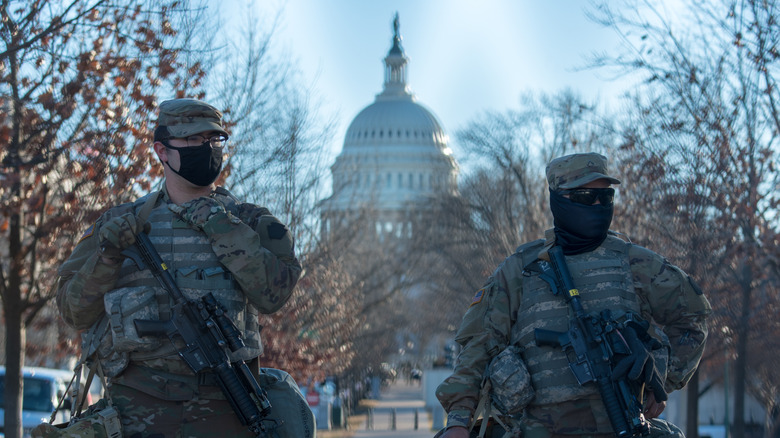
x,y
216,140
589,196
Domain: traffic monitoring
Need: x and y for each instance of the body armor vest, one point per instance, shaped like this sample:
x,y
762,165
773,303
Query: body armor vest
x,y
604,280
195,267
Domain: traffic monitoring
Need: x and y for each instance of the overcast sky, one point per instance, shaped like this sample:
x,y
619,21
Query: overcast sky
x,y
466,57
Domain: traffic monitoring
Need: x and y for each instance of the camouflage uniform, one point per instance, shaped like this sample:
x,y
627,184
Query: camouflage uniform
x,y
617,275
239,252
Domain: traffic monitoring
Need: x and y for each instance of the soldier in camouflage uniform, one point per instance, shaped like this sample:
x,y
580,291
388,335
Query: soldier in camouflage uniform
x,y
211,242
610,273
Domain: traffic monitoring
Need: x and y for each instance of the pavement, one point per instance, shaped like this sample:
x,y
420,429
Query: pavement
x,y
392,416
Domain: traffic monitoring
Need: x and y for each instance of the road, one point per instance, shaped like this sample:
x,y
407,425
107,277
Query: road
x,y
399,402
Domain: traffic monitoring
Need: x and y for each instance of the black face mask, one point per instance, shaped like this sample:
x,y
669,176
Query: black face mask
x,y
578,227
199,165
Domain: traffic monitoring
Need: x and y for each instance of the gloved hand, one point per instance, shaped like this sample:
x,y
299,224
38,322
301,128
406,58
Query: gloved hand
x,y
118,233
639,366
198,211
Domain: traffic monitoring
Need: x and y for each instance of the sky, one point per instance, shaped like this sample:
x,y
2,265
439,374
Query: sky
x,y
465,56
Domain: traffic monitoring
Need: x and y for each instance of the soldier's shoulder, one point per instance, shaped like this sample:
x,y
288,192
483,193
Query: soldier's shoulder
x,y
650,265
641,255
523,255
532,246
225,196
115,211
527,253
127,207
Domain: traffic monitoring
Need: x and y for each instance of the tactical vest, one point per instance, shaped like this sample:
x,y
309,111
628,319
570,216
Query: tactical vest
x,y
192,262
604,280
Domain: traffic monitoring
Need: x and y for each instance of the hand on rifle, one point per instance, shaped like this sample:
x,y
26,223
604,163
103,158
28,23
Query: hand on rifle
x,y
639,366
117,234
653,408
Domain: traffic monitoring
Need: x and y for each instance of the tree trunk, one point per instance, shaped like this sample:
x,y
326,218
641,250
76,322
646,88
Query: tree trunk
x,y
14,331
740,371
14,361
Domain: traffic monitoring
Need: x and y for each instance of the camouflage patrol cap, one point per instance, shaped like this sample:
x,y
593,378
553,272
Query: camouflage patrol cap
x,y
185,117
574,170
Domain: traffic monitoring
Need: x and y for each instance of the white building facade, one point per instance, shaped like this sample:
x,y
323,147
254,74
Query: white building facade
x,y
395,154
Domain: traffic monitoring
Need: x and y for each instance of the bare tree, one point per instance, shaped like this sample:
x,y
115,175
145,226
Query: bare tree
x,y
707,124
79,85
379,262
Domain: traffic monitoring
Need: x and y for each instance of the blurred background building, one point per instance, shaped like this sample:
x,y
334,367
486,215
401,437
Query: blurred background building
x,y
395,155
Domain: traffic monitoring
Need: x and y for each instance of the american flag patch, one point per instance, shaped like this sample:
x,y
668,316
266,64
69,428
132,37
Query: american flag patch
x,y
88,233
477,297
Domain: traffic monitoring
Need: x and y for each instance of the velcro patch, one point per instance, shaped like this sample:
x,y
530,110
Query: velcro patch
x,y
477,297
89,232
276,231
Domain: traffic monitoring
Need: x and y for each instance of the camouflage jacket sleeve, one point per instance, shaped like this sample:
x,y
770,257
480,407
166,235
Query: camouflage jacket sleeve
x,y
84,279
673,300
483,333
259,251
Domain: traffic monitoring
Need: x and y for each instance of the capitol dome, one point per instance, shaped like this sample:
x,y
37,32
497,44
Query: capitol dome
x,y
395,151
395,120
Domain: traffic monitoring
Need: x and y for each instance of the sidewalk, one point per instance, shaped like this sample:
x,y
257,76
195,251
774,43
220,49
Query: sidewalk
x,y
398,397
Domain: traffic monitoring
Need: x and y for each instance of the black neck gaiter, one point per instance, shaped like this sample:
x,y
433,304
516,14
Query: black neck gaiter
x,y
579,228
199,165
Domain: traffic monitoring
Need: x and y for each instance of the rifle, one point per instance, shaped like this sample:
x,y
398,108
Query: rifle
x,y
207,333
591,344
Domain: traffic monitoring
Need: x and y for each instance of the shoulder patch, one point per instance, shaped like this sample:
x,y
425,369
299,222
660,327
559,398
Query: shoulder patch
x,y
478,297
276,231
87,233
